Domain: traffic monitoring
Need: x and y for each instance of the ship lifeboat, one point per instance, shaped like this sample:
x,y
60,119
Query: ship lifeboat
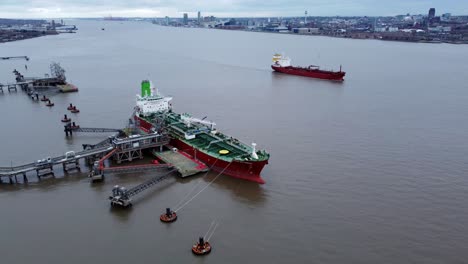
x,y
201,247
49,103
66,119
70,107
169,216
75,110
44,99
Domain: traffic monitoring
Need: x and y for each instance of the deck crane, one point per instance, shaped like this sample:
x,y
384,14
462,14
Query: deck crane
x,y
189,120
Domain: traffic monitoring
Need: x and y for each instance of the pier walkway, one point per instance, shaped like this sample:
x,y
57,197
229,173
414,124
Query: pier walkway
x,y
123,149
45,166
122,197
72,127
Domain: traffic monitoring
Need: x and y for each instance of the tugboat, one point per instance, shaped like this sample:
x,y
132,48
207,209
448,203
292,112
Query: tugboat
x,y
198,137
283,64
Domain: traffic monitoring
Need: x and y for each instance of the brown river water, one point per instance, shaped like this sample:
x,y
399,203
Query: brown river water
x,y
371,170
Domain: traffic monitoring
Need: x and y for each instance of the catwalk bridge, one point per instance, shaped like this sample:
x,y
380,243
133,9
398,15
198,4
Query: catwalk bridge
x,y
122,197
123,149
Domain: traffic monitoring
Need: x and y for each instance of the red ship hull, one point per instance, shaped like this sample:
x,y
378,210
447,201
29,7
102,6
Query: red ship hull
x,y
243,170
313,73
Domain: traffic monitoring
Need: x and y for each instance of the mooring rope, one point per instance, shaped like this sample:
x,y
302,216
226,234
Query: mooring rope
x,y
194,187
214,229
208,231
187,195
191,199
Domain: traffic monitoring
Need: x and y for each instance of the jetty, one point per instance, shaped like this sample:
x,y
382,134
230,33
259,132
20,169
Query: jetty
x,y
123,197
9,86
121,149
56,79
183,162
14,57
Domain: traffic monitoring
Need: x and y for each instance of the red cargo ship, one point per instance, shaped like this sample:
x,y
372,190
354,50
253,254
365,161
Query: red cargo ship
x,y
283,65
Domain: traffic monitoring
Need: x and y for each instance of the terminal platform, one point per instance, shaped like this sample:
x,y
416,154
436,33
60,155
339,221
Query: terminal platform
x,y
185,164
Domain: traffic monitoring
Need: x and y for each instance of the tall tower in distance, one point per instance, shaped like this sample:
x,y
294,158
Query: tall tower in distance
x,y
305,17
199,17
185,21
431,13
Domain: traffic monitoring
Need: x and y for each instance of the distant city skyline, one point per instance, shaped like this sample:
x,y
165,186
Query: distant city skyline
x,y
225,8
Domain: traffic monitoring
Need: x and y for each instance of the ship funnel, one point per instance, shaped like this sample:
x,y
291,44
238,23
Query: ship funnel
x,y
254,151
145,88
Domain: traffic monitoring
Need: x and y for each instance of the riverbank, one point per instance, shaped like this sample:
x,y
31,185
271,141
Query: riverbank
x,y
15,35
400,37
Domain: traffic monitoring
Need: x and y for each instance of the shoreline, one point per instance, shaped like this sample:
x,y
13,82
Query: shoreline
x,y
17,35
358,36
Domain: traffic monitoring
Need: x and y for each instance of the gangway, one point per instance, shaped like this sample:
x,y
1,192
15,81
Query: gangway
x,y
136,168
72,127
122,197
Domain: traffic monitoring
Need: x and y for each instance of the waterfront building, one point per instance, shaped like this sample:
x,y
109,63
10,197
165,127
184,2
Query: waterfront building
x,y
446,17
431,14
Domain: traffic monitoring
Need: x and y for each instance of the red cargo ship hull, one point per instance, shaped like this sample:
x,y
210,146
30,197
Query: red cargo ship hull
x,y
247,170
310,72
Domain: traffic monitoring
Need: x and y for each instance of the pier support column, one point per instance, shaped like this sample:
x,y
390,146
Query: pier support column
x,y
25,179
11,180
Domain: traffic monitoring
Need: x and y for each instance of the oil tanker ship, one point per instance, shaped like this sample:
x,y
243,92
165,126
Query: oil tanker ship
x,y
198,137
283,64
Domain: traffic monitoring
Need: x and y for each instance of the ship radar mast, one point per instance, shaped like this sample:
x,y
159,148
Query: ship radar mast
x,y
254,151
154,90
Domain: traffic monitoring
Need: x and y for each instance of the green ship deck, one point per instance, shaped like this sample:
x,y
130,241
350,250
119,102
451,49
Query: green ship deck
x,y
207,141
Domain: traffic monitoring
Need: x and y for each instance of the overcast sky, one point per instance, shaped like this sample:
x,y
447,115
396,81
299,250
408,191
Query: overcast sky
x,y
222,8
